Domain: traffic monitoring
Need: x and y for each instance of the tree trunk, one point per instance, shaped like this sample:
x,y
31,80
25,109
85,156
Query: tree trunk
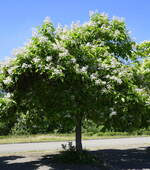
x,y
78,133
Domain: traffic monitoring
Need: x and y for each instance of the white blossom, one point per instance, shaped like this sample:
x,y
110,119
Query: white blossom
x,y
118,80
105,15
139,90
59,29
1,71
102,43
58,46
93,76
64,53
75,25
116,33
84,69
8,80
99,60
29,43
73,60
120,19
24,65
35,32
57,71
112,112
7,95
91,13
47,20
42,39
47,67
36,60
90,23
64,37
20,51
104,90
49,58
106,54
97,82
108,86
10,71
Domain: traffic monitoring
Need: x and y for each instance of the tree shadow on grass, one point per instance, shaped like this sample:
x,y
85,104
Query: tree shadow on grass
x,y
115,158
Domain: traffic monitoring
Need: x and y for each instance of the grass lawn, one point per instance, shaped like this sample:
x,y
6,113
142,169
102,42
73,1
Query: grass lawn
x,y
61,137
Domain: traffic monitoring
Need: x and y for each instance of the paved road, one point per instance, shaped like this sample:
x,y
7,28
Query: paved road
x,y
122,143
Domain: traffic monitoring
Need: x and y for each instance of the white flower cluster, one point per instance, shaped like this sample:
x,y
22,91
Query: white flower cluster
x,y
20,51
64,53
64,37
73,60
11,70
75,25
116,33
8,95
94,76
49,30
29,44
58,46
48,67
89,23
24,65
36,60
100,82
120,19
60,29
47,20
91,45
56,71
147,70
118,80
80,70
7,81
112,112
49,58
35,32
91,13
114,63
103,66
42,39
139,90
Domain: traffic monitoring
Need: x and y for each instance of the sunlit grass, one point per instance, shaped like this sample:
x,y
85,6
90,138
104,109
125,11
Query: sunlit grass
x,y
62,137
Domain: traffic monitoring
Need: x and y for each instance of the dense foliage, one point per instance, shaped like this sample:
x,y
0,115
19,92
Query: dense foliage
x,y
70,74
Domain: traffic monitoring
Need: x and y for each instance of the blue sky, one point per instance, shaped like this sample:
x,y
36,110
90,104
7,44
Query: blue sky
x,y
18,17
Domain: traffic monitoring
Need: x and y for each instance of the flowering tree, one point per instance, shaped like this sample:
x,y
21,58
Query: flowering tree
x,y
142,78
78,71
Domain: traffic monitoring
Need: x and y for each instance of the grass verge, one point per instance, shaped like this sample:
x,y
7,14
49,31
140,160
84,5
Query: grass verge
x,y
61,137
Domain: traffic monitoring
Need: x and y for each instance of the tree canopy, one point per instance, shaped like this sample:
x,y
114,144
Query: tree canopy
x,y
79,72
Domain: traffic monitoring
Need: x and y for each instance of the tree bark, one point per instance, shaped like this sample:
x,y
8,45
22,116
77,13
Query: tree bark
x,y
78,133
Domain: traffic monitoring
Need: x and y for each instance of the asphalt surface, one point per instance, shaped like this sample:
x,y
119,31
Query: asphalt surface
x,y
118,154
87,144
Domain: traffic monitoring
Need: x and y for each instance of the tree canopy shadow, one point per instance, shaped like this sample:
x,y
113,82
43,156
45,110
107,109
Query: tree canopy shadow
x,y
115,159
127,158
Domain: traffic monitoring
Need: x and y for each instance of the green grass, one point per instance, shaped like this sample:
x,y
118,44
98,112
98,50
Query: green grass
x,y
65,137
